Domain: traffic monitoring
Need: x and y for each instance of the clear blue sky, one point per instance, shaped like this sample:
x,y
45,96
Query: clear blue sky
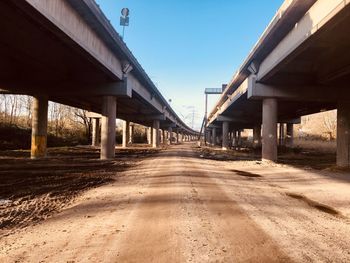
x,y
186,46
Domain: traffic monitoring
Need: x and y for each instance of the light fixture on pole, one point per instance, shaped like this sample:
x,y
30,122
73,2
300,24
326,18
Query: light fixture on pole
x,y
124,19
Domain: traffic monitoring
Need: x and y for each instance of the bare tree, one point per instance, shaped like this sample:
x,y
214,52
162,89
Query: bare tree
x,y
330,123
86,121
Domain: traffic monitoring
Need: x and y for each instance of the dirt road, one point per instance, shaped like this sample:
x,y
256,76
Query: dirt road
x,y
180,207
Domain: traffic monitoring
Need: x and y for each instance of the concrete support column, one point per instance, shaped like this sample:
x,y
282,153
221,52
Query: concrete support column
x,y
126,129
150,135
290,135
39,127
239,138
209,139
343,134
155,133
225,127
177,136
146,134
257,135
234,138
213,134
131,134
170,135
109,110
95,131
182,137
269,133
163,137
281,134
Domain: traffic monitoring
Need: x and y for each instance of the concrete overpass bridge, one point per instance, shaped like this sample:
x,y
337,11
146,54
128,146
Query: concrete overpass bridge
x,y
67,51
299,66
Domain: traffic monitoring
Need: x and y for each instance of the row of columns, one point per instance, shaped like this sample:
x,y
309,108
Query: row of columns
x,y
164,136
269,132
270,139
108,126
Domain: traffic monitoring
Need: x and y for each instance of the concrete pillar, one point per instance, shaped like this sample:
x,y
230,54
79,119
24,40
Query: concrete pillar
x,y
239,138
146,134
269,133
343,134
213,134
109,110
39,127
229,136
177,136
131,133
95,132
126,130
234,138
155,133
281,134
149,135
170,135
290,135
182,137
257,135
163,137
209,139
225,127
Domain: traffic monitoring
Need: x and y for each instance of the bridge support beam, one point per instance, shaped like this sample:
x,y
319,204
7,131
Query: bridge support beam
x,y
225,128
239,138
126,130
343,134
281,134
131,133
155,134
39,127
209,136
163,137
170,135
234,138
213,134
95,132
177,136
257,135
269,133
109,109
149,135
290,135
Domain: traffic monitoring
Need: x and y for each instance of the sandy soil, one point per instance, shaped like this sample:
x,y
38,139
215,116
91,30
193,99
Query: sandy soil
x,y
189,205
33,190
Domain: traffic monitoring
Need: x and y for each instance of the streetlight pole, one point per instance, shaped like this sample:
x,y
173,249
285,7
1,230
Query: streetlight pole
x,y
124,19
205,118
205,121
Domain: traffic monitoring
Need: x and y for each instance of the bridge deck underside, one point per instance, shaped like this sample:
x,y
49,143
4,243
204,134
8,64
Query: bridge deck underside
x,y
322,61
36,57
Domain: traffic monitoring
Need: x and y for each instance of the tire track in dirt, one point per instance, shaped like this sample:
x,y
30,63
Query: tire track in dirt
x,y
167,209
